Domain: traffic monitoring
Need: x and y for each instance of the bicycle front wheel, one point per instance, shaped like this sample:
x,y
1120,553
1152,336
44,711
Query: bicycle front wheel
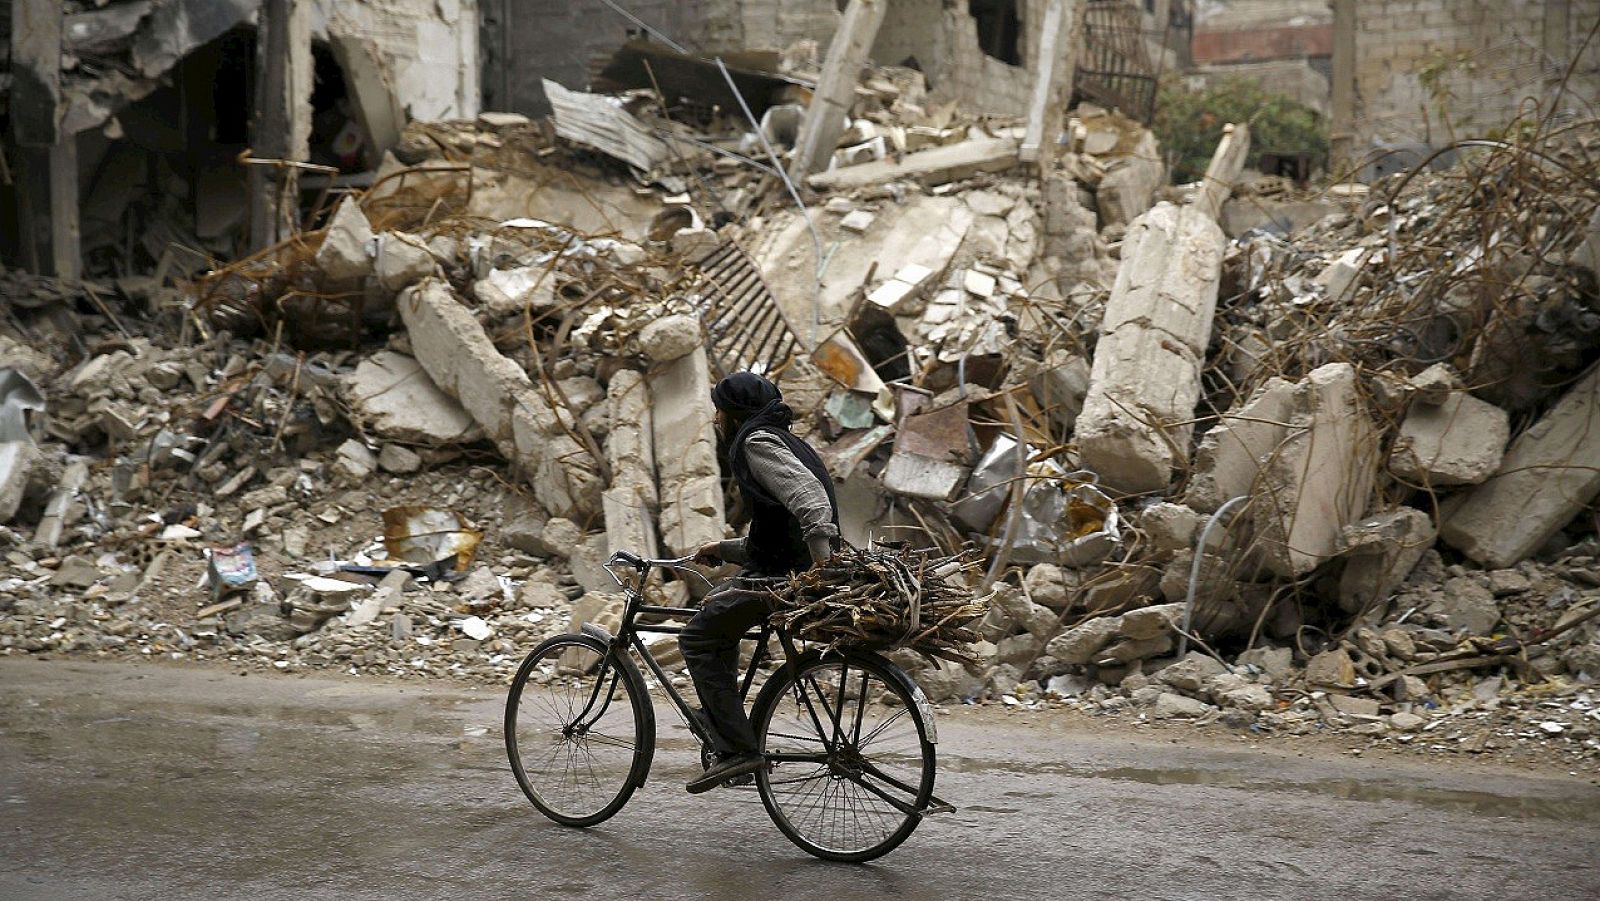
x,y
850,755
579,729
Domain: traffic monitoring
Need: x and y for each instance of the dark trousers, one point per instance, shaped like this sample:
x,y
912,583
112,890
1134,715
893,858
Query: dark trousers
x,y
710,644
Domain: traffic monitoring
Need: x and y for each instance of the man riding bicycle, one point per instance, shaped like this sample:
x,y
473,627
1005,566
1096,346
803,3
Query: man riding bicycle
x,y
794,525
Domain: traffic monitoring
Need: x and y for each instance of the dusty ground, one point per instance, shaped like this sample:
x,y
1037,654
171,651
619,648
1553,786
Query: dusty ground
x,y
151,781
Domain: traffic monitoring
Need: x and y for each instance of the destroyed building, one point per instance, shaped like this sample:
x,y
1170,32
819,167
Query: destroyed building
x,y
1328,473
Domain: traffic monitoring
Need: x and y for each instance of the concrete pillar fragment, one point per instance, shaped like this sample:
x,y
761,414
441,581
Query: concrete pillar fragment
x,y
631,500
457,354
1054,66
1550,473
687,472
1134,428
836,88
1146,375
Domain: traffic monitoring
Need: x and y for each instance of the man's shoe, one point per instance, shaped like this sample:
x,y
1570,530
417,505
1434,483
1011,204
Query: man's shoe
x,y
726,769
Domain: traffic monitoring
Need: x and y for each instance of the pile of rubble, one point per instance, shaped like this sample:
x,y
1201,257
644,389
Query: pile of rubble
x,y
405,442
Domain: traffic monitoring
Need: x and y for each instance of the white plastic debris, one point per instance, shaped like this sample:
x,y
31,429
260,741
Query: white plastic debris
x,y
474,627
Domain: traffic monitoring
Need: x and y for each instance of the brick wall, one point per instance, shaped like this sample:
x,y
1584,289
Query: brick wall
x,y
1260,44
1500,52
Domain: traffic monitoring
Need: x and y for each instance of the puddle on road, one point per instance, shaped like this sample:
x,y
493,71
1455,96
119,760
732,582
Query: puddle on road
x,y
1574,808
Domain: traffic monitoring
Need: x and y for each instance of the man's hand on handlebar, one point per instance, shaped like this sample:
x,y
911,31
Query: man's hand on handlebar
x,y
708,555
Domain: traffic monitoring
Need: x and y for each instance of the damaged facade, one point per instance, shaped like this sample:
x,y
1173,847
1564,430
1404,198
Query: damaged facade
x,y
1279,480
126,121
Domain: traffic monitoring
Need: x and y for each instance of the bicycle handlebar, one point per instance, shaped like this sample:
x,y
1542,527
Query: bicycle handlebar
x,y
641,564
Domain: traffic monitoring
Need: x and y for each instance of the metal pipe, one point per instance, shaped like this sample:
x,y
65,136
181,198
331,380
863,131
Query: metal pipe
x,y
1194,570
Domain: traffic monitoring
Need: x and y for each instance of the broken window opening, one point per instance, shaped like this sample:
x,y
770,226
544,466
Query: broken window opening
x,y
337,138
999,29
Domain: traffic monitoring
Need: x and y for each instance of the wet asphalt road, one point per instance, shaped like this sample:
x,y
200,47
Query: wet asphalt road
x,y
174,783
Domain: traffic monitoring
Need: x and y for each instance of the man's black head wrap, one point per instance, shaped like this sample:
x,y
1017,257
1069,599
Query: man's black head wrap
x,y
753,403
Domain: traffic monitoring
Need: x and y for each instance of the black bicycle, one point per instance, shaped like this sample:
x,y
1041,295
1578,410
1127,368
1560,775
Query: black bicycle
x,y
848,737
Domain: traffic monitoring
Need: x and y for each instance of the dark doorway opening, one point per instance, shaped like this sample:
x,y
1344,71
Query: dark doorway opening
x,y
999,29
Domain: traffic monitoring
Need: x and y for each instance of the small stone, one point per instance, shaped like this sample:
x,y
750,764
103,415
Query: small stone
x,y
1399,644
1170,527
1406,722
353,461
1331,668
393,458
1353,706
1151,622
480,584
857,221
538,594
1190,673
1172,706
1466,605
75,572
1080,644
1504,582
1276,663
1047,585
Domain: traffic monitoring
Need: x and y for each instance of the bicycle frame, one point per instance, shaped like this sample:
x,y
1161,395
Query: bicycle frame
x,y
629,632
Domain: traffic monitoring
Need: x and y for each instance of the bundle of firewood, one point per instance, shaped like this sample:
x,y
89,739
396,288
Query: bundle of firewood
x,y
882,598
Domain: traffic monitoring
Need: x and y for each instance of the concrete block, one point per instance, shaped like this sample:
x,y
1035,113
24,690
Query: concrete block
x,y
1321,479
1551,472
17,459
395,398
343,254
1458,442
1382,550
1126,190
1232,455
918,476
670,338
403,260
1146,375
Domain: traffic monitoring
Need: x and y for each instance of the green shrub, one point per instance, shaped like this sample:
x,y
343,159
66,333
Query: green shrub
x,y
1189,124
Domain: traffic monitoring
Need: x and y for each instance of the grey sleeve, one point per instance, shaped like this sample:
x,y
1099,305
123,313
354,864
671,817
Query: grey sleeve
x,y
779,471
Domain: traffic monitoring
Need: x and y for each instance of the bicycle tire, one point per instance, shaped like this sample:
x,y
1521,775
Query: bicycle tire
x,y
817,829
574,661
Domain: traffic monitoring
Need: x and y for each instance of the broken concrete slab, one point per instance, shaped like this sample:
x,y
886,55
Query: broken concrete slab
x,y
1466,605
599,121
1458,442
934,166
1128,188
1136,421
1382,551
917,476
1232,455
687,472
395,398
343,254
403,260
1550,473
1321,478
353,462
507,291
456,352
630,502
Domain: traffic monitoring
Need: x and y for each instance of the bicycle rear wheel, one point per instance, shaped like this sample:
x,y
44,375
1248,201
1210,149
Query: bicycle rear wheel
x,y
851,755
579,729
